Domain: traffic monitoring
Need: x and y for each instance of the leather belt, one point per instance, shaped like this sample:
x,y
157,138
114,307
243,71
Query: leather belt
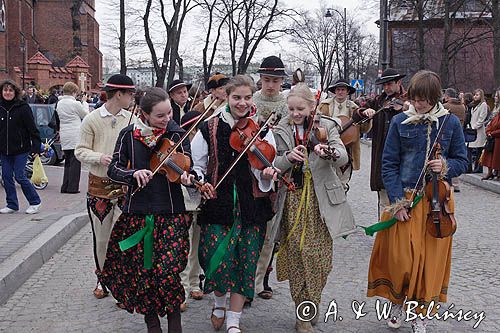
x,y
103,187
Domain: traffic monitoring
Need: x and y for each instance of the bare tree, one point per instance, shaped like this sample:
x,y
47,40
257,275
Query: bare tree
x,y
495,13
123,59
173,29
319,36
459,33
249,23
216,17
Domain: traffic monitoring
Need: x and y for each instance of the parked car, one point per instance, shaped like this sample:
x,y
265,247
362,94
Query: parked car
x,y
43,114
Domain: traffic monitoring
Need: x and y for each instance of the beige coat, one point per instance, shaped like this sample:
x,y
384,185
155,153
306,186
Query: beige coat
x,y
478,122
329,107
333,206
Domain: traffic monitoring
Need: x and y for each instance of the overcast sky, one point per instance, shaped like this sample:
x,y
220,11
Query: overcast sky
x,y
191,37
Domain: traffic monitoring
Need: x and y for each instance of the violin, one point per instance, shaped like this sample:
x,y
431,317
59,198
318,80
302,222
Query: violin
x,y
440,219
350,133
320,135
174,166
260,153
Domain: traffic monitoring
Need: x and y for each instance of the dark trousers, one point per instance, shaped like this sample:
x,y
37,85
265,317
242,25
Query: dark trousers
x,y
72,168
474,156
13,168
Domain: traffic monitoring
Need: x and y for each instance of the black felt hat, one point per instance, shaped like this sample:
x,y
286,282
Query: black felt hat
x,y
390,74
342,83
119,82
178,83
216,81
272,66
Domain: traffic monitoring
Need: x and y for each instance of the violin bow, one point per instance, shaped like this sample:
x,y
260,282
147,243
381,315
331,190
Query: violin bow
x,y
195,95
247,147
132,114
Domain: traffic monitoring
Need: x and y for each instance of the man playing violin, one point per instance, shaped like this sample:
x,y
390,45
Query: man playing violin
x,y
408,260
232,223
150,241
384,103
342,107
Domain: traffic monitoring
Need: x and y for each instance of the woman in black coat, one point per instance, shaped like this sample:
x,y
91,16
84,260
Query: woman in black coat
x,y
19,136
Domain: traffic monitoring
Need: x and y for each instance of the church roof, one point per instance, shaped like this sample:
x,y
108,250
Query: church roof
x,y
39,58
77,62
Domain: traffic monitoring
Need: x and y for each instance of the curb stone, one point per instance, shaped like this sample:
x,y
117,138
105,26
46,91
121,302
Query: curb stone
x,y
16,269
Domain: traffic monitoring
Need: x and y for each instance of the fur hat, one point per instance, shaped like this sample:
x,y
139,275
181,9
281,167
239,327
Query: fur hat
x,y
272,66
216,81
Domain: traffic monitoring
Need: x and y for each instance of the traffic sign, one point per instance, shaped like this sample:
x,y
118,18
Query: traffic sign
x,y
358,85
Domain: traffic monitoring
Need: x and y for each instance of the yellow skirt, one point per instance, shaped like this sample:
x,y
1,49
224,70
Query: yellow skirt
x,y
408,262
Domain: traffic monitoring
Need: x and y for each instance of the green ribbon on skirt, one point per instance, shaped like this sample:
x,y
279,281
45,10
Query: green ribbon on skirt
x,y
145,233
371,230
219,254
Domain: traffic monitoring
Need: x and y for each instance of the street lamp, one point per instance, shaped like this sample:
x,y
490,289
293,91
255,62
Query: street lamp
x,y
23,50
344,19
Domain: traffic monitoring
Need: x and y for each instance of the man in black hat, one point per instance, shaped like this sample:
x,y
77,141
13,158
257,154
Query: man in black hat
x,y
179,95
341,105
98,135
269,98
216,85
390,101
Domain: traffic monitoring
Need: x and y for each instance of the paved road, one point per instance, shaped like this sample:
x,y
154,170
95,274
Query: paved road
x,y
58,297
18,229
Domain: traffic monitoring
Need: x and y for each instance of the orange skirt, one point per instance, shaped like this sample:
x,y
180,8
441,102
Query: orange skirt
x,y
408,262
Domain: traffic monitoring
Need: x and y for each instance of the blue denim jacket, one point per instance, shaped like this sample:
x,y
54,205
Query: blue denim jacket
x,y
405,148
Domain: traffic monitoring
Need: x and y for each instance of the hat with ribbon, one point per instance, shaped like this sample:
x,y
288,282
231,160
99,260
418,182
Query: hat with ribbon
x,y
272,66
177,84
119,82
342,83
390,74
217,80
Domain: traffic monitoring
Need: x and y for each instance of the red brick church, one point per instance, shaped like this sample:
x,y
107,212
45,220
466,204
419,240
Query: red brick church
x,y
50,42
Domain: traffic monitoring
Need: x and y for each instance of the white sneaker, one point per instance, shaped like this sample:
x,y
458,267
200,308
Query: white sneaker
x,y
396,316
418,326
33,209
7,210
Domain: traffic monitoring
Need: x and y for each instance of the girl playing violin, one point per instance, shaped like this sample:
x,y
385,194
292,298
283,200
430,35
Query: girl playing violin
x,y
308,219
232,221
406,261
149,243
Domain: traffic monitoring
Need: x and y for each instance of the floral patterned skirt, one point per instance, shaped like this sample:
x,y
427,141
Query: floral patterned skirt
x,y
236,273
306,270
156,290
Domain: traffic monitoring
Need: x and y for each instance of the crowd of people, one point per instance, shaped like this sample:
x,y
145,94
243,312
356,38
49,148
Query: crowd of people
x,y
194,193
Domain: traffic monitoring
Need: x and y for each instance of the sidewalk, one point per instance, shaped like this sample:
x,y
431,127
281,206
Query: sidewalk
x,y
28,241
470,178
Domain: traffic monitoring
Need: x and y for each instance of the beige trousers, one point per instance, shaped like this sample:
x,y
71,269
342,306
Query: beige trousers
x,y
102,231
264,258
190,275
